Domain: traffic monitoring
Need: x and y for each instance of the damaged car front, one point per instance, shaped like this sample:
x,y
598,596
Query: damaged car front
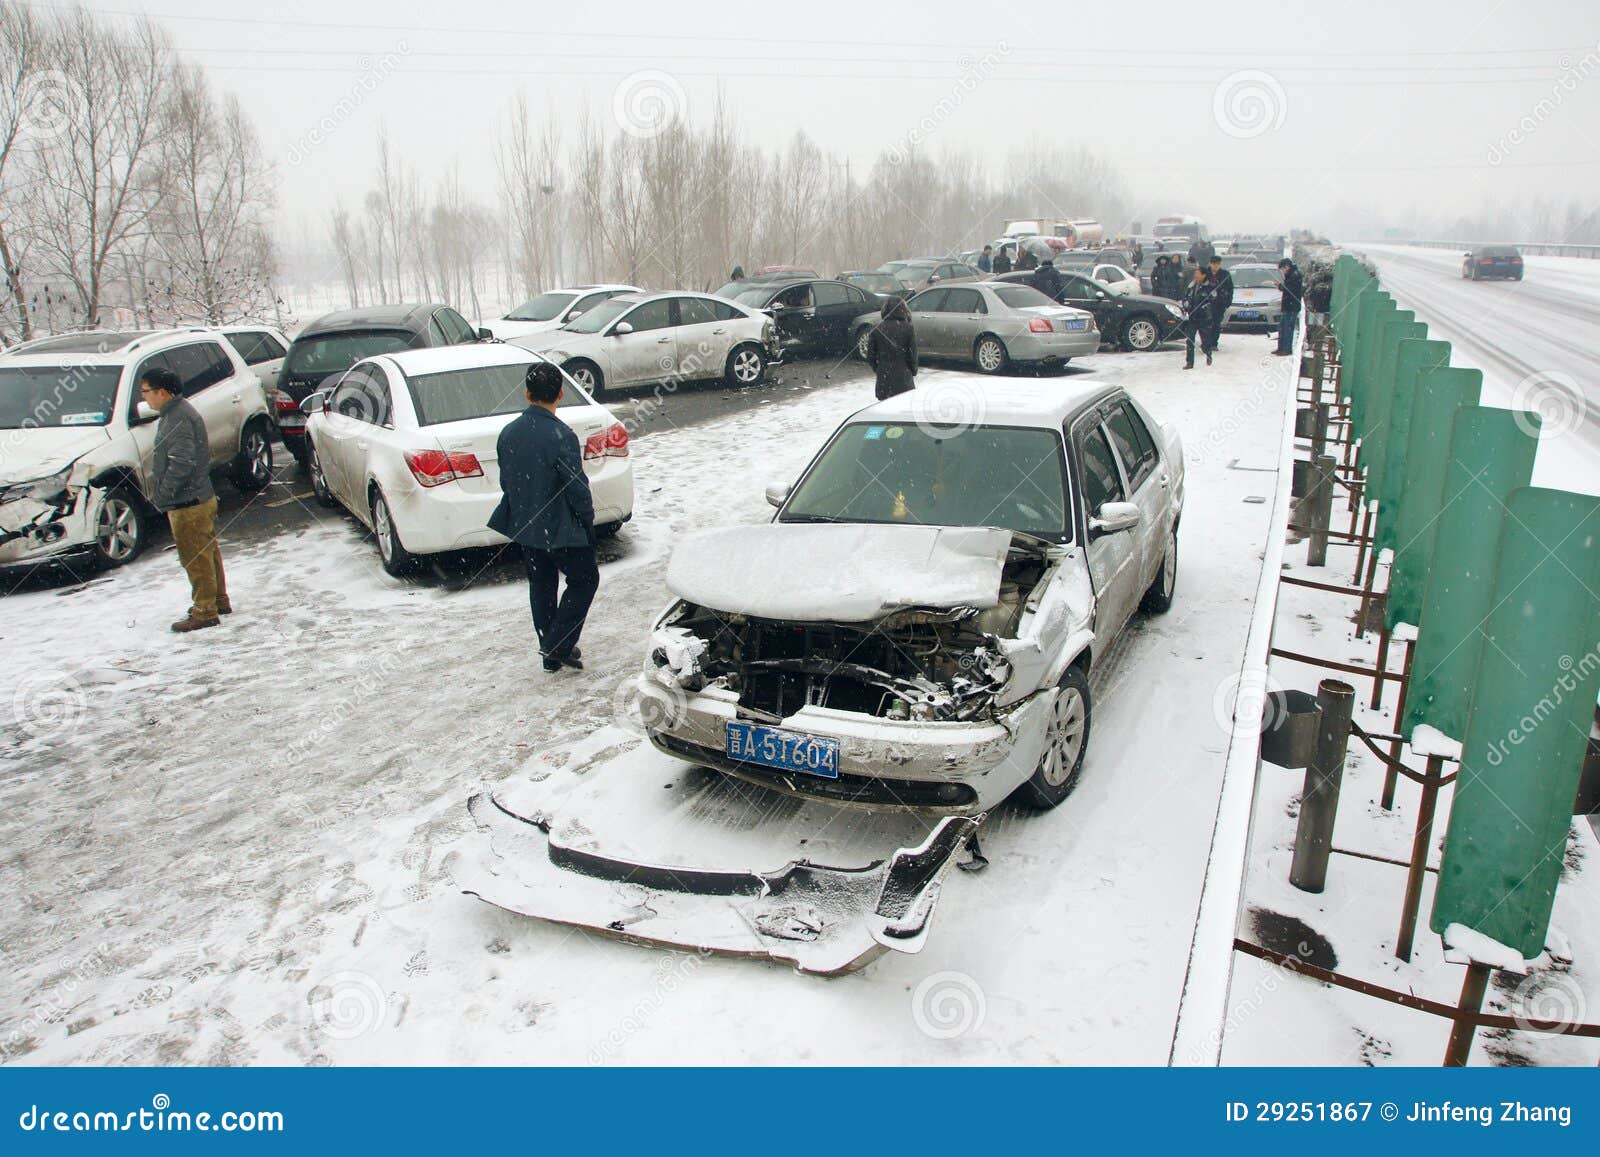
x,y
898,637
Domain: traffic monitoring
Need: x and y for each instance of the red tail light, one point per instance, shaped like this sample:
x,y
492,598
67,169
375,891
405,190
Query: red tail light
x,y
1516,261
611,442
1486,261
1039,325
436,467
288,406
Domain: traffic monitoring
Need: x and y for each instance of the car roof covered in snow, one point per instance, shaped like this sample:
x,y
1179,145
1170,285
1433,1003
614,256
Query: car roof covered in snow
x,y
412,316
977,400
442,359
89,347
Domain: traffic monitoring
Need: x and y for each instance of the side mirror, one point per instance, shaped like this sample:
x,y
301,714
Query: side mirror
x,y
1113,517
574,315
621,329
778,493
485,335
145,412
315,403
933,278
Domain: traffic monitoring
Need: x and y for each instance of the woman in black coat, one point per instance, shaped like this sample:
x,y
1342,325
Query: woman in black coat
x,y
892,350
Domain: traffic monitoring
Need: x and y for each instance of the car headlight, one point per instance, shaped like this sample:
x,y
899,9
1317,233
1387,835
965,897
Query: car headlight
x,y
52,488
1174,310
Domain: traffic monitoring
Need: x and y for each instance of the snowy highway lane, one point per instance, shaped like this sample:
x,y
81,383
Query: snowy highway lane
x,y
237,847
1535,340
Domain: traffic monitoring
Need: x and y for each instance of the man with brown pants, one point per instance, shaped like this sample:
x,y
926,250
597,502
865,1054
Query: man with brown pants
x,y
182,467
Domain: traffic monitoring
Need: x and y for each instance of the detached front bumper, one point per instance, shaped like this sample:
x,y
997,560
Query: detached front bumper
x,y
940,768
32,531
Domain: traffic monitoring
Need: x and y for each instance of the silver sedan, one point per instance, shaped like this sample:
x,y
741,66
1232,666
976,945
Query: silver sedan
x,y
993,324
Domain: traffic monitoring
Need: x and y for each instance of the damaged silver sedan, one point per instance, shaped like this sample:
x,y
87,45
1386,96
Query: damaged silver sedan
x,y
916,627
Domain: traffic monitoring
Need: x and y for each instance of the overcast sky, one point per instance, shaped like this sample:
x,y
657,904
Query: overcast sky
x,y
1434,105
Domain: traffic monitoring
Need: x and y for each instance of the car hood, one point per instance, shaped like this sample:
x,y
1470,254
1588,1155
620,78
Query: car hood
x,y
557,342
838,572
42,451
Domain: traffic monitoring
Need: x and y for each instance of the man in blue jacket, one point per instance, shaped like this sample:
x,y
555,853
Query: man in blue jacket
x,y
548,511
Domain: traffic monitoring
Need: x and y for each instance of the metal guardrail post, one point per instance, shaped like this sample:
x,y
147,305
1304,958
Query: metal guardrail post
x,y
1319,500
1419,859
1319,803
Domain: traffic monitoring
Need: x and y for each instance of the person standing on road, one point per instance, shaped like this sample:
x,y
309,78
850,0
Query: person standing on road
x,y
1221,297
1163,279
1002,262
547,510
1047,279
1201,251
1199,304
737,274
1294,287
986,260
1026,258
181,464
892,350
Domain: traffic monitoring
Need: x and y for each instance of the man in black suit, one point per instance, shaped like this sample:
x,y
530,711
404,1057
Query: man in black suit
x,y
548,511
1222,296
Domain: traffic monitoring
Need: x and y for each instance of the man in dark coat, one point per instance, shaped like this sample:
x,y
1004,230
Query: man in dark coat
x,y
181,463
1002,262
986,259
1294,287
548,511
1047,279
1199,304
892,350
1026,258
1164,278
1221,297
1201,251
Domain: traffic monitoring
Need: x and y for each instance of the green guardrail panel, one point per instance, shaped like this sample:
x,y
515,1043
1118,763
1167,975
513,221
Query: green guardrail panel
x,y
1392,330
1490,457
1412,356
1375,305
1439,393
1538,674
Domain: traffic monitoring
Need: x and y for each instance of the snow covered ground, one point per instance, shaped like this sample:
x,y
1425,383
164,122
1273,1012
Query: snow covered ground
x,y
235,847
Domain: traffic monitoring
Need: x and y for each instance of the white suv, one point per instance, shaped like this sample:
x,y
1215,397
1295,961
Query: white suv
x,y
75,440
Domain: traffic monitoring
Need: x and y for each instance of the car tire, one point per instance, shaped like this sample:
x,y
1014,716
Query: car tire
x,y
397,560
587,375
1066,742
252,467
1141,333
1158,599
746,366
990,354
862,342
319,481
120,531
607,530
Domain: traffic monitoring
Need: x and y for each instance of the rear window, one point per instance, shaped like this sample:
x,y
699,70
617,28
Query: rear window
x,y
1501,251
1022,296
545,307
459,395
333,353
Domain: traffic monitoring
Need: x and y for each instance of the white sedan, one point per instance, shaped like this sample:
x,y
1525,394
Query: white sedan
x,y
1118,280
552,309
407,443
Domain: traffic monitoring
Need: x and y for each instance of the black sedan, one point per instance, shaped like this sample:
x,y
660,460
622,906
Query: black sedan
x,y
1132,321
813,315
877,282
1492,261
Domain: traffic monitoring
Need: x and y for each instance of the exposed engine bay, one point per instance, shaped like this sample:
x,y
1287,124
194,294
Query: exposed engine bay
x,y
914,663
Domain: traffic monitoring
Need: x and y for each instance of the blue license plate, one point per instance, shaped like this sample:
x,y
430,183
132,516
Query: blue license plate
x,y
785,750
1248,315
1076,325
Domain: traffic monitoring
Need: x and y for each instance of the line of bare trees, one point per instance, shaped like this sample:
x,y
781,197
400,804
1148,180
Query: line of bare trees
x,y
681,207
128,190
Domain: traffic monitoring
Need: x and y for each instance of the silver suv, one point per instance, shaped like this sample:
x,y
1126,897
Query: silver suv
x,y
75,440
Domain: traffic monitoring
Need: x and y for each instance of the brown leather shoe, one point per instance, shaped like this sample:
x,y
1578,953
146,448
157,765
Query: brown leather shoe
x,y
184,626
224,607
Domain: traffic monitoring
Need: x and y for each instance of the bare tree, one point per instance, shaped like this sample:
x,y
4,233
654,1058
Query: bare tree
x,y
21,48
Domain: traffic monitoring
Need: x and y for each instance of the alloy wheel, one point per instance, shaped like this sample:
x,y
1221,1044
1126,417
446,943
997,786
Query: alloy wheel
x,y
1064,739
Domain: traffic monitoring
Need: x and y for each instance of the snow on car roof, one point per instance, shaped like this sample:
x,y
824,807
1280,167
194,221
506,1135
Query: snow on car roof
x,y
983,401
440,359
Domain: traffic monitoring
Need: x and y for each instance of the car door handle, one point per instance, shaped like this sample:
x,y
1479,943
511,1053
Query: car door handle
x,y
720,329
662,340
1164,479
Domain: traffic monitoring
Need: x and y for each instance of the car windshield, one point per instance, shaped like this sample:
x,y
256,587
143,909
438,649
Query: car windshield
x,y
755,296
479,392
914,272
332,353
55,396
888,472
1022,297
545,307
602,315
1255,279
